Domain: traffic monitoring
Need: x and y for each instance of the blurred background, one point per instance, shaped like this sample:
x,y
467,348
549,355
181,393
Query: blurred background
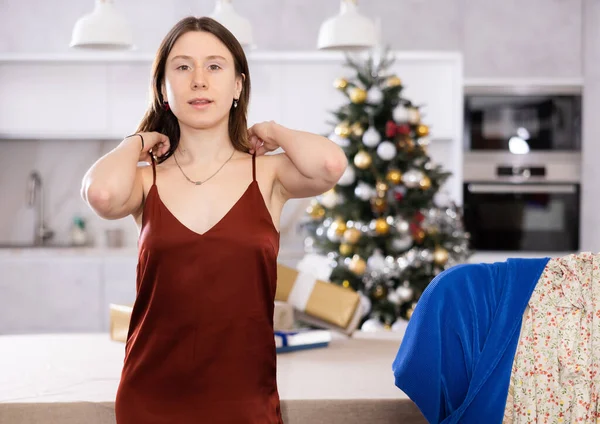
x,y
508,90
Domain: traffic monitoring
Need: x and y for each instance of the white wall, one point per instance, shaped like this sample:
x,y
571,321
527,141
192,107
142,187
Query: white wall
x,y
590,234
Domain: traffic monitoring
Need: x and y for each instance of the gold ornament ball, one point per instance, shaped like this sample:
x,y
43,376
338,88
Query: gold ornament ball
x,y
440,256
393,81
357,266
379,292
345,249
357,129
414,116
363,160
387,326
346,283
419,236
339,226
316,211
358,95
340,83
422,130
343,129
381,186
381,226
425,183
433,231
378,204
352,235
394,176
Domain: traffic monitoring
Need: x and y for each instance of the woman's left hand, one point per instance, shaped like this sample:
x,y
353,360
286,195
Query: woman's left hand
x,y
260,137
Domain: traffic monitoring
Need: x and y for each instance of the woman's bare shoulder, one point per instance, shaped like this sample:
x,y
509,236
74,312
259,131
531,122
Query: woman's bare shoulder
x,y
147,174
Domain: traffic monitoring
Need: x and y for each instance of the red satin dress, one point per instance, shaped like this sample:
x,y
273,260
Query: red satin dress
x,y
200,347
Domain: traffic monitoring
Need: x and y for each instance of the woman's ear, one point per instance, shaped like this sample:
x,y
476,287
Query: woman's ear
x,y
163,92
239,85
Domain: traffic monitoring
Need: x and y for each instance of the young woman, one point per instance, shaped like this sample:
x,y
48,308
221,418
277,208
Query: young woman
x,y
200,347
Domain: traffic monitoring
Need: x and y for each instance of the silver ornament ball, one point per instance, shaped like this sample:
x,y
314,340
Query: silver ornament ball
x,y
372,325
348,177
371,137
386,150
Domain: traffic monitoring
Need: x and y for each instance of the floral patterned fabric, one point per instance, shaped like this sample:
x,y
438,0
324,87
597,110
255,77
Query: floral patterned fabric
x,y
554,377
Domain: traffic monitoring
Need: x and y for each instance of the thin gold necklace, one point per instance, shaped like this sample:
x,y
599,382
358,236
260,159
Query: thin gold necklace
x,y
202,182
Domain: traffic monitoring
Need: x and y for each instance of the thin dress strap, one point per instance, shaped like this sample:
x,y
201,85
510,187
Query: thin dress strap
x,y
254,166
153,162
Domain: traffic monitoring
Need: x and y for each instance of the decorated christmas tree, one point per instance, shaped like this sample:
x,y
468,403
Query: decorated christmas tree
x,y
380,226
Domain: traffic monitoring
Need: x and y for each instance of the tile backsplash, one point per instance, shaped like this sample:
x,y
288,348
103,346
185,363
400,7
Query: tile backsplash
x,y
61,165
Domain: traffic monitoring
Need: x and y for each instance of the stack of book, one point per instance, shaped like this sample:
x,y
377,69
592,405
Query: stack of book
x,y
301,339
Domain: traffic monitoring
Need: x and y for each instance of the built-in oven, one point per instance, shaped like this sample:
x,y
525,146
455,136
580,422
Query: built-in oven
x,y
530,207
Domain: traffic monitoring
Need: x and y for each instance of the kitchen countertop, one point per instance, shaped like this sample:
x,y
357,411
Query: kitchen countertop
x,y
73,378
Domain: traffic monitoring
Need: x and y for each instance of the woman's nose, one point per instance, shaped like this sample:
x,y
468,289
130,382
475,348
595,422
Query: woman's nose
x,y
199,80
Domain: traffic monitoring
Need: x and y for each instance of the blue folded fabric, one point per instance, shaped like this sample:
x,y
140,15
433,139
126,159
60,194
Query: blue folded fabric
x,y
456,357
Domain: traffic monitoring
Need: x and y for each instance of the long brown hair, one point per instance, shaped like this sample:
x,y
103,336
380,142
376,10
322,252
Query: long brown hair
x,y
164,121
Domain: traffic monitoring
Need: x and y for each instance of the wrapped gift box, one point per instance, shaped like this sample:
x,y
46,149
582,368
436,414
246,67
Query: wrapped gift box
x,y
318,302
120,315
283,316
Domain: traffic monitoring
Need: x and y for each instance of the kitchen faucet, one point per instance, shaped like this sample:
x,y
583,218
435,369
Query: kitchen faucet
x,y
35,199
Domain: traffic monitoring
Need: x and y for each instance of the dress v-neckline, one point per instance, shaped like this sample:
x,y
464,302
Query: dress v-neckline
x,y
216,224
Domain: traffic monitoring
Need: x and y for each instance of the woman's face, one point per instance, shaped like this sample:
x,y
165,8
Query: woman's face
x,y
200,80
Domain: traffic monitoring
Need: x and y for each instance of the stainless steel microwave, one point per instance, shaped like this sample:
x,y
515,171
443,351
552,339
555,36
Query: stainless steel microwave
x,y
522,123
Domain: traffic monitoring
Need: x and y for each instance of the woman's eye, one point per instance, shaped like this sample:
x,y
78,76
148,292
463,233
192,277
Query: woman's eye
x,y
183,67
214,67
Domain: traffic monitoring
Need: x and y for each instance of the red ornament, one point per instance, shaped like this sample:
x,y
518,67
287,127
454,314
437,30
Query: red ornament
x,y
419,217
398,195
392,130
404,129
414,227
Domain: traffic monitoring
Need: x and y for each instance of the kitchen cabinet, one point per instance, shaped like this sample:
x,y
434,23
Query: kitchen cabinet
x,y
96,96
118,274
45,293
51,100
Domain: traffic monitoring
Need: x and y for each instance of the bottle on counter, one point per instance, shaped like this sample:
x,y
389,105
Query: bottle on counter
x,y
79,235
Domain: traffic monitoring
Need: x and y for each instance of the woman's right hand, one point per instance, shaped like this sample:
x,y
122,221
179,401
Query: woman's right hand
x,y
155,141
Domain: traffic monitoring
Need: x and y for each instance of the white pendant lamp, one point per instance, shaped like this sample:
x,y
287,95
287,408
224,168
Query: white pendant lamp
x,y
347,31
103,29
239,26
